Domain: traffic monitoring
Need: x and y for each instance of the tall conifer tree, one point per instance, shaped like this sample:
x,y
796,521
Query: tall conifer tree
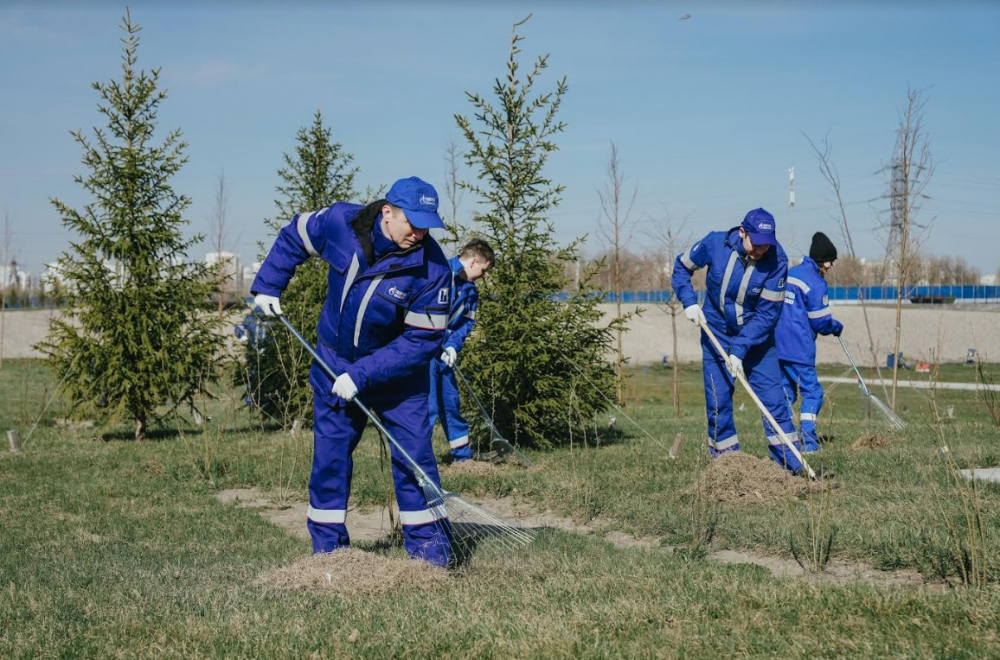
x,y
138,339
542,363
318,174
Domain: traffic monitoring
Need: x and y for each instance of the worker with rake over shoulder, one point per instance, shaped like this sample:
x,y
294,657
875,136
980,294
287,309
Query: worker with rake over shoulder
x,y
468,266
746,291
382,323
805,314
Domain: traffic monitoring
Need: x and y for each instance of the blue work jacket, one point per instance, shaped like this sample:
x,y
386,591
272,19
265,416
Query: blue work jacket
x,y
382,322
805,314
744,297
465,302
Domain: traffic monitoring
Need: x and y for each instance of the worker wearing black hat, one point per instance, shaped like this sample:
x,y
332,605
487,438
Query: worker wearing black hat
x,y
806,314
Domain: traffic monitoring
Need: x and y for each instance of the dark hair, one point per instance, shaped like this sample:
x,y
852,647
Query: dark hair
x,y
480,249
363,223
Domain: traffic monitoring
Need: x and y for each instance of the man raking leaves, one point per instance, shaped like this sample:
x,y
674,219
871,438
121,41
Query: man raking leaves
x,y
745,293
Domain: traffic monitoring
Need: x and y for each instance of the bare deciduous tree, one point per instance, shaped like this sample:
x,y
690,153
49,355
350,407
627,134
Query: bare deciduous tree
x,y
669,240
453,192
6,285
615,227
909,172
219,236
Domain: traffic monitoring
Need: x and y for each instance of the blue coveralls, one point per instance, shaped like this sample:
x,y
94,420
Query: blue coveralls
x,y
743,302
805,314
445,399
382,324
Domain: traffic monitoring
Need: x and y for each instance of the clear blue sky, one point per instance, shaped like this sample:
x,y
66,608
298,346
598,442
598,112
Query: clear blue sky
x,y
708,113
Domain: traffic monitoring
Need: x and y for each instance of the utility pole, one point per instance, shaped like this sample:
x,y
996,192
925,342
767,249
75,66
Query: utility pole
x,y
791,205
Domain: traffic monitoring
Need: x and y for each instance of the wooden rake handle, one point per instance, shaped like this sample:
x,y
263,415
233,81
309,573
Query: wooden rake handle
x,y
764,411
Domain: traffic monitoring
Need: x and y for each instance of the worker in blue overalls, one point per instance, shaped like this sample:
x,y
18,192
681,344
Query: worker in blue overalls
x,y
745,294
468,266
382,323
805,314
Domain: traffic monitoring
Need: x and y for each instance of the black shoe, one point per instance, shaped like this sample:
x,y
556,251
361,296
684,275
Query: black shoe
x,y
487,456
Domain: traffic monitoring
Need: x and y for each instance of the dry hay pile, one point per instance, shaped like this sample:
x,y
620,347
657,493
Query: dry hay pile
x,y
870,441
744,480
352,571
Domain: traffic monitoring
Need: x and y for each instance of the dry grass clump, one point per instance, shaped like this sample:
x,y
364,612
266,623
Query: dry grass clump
x,y
352,571
743,480
870,440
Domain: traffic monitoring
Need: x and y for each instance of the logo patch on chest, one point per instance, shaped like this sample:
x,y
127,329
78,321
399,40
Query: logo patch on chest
x,y
444,296
398,294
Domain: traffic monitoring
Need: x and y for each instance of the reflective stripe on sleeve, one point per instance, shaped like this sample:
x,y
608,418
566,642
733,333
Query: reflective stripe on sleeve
x,y
794,281
422,517
426,321
686,260
773,296
332,516
471,315
457,313
819,313
300,225
364,307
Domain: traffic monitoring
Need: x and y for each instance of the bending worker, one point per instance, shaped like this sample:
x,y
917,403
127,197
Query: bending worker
x,y
746,290
468,266
806,314
381,324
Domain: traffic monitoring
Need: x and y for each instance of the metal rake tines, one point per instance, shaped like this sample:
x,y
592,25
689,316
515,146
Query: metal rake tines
x,y
887,412
470,524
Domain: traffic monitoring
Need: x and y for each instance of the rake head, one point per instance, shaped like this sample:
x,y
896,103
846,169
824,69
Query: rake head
x,y
887,413
470,525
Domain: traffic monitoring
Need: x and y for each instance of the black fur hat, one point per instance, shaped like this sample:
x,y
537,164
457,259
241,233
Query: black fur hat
x,y
822,249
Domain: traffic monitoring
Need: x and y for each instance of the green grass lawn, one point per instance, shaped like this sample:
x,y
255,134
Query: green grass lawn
x,y
111,548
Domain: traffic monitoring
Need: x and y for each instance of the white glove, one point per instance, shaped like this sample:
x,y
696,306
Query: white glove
x,y
694,314
735,366
344,387
270,305
449,356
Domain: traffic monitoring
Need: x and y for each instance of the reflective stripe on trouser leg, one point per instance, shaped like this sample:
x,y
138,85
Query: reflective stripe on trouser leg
x,y
456,429
336,431
764,375
718,401
427,537
812,403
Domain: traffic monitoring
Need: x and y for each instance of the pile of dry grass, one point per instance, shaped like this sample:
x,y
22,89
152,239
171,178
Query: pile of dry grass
x,y
351,571
870,441
743,480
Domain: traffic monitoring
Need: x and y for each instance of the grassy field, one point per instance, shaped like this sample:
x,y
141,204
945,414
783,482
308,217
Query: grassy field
x,y
111,548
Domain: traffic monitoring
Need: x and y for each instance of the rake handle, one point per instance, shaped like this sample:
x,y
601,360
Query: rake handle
x,y
764,411
850,358
421,475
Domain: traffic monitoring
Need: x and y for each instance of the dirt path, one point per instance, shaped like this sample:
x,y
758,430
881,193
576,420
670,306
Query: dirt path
x,y
373,524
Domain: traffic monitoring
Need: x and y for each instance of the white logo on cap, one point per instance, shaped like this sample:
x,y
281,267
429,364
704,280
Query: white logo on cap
x,y
430,201
765,225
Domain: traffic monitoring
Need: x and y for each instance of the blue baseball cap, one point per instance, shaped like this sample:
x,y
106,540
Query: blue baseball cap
x,y
760,226
419,201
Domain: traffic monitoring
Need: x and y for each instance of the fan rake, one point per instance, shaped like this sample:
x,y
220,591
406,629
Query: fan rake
x,y
498,440
879,405
467,524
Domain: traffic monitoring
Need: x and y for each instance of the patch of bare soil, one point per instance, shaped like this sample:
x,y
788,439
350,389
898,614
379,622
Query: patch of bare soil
x,y
837,571
870,441
355,572
743,480
472,468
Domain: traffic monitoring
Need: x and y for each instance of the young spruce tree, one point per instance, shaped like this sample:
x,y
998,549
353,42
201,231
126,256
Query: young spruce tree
x,y
541,364
138,339
317,175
